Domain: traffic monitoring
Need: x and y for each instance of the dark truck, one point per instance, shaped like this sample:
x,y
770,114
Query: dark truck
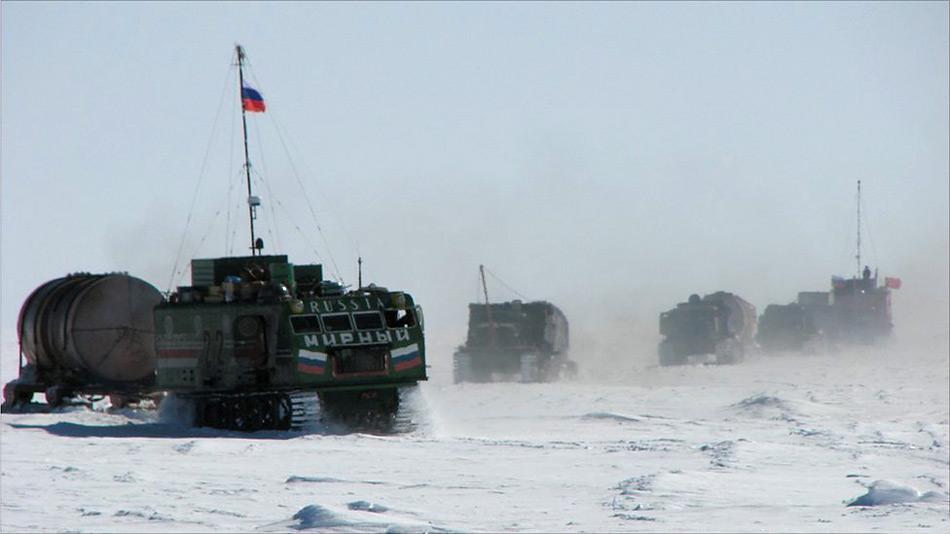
x,y
861,309
857,310
527,340
803,325
720,323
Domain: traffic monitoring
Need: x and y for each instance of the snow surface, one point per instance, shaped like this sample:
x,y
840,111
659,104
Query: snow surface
x,y
883,492
836,442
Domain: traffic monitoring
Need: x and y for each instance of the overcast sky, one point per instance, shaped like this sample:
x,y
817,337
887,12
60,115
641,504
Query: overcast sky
x,y
611,158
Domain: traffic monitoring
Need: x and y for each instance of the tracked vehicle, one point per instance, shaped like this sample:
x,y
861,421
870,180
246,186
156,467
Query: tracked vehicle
x,y
720,323
249,344
252,333
861,306
857,310
861,309
804,325
526,341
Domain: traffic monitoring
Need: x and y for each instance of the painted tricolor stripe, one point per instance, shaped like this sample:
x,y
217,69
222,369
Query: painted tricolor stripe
x,y
311,362
406,357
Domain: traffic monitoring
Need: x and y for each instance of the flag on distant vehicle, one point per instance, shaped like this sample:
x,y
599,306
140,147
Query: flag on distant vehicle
x,y
251,99
892,282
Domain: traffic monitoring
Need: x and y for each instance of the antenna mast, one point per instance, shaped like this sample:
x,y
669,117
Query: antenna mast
x,y
858,256
252,201
491,321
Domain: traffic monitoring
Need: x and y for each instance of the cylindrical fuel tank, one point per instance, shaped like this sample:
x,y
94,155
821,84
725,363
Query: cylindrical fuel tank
x,y
741,319
91,328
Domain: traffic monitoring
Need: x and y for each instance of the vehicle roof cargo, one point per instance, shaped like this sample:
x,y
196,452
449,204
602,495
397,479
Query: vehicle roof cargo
x,y
212,272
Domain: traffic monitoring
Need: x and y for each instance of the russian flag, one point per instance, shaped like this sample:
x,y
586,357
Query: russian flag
x,y
892,282
406,357
252,99
311,362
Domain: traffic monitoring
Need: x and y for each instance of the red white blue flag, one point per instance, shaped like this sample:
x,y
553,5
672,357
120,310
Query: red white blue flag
x,y
251,99
311,362
406,357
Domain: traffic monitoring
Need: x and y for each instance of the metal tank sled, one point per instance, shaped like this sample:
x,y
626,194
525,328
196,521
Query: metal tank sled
x,y
526,341
721,323
249,343
88,332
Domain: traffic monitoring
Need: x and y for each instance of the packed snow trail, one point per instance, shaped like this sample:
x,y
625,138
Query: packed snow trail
x,y
836,442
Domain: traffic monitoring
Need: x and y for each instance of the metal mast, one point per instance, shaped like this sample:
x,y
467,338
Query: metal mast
x,y
858,256
491,321
252,201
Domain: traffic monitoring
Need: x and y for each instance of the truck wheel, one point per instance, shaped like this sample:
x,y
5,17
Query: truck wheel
x,y
571,369
816,344
13,396
157,399
668,355
55,396
530,370
728,351
461,368
118,401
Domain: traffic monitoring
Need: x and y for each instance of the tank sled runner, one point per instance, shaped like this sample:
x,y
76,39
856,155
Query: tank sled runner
x,y
514,340
721,324
248,344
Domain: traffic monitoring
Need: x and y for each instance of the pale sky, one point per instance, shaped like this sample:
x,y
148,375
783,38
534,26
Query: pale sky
x,y
611,158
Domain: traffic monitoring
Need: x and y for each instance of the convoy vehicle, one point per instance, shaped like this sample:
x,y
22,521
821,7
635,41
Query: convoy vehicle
x,y
719,323
527,341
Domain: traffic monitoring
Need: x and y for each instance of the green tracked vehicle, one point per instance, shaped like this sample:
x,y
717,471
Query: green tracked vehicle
x,y
251,334
526,341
